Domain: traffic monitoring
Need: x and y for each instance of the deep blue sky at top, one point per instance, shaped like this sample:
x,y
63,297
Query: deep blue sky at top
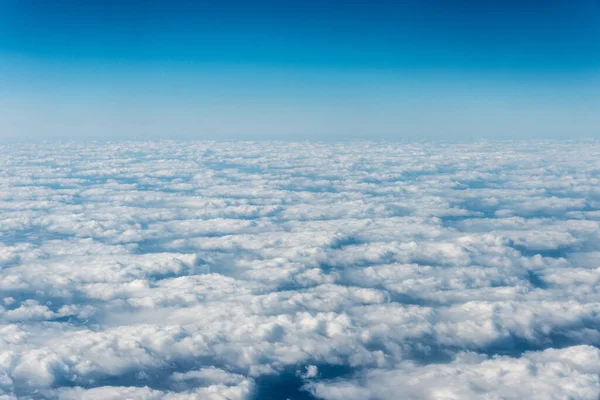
x,y
299,69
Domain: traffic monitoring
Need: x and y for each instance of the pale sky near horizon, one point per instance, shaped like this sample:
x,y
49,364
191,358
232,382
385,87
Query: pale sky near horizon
x,y
299,70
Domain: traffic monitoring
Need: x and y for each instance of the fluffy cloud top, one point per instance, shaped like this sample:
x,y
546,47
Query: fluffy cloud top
x,y
201,270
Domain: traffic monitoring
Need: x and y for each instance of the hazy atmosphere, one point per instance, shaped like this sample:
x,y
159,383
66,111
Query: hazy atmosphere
x,y
299,70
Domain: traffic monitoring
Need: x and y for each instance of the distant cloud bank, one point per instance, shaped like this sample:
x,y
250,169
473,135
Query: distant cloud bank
x,y
243,270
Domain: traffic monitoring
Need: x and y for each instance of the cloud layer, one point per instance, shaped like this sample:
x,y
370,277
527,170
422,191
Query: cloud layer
x,y
182,270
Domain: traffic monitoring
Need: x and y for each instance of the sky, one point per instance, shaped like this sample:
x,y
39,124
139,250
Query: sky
x,y
297,70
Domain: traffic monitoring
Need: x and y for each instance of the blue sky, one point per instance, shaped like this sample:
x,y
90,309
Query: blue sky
x,y
299,70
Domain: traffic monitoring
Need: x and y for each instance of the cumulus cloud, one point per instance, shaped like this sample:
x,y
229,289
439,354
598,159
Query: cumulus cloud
x,y
550,374
175,270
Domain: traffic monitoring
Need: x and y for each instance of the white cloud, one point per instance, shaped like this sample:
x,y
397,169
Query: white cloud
x,y
211,270
551,374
